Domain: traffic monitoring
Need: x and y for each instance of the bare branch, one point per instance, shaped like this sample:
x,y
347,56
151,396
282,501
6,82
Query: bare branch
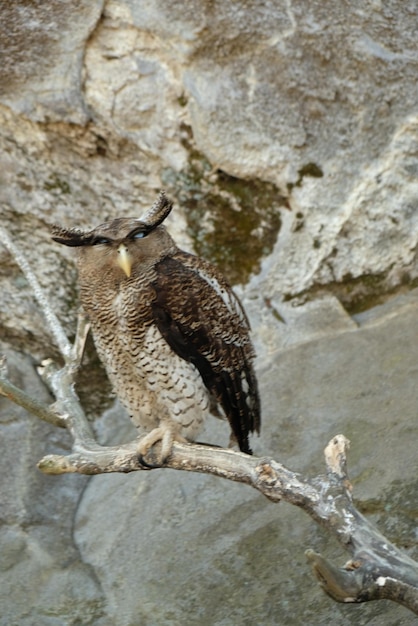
x,y
18,396
62,384
377,568
336,456
360,581
55,327
77,351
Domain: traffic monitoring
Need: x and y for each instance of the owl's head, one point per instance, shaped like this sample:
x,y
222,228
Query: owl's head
x,y
125,243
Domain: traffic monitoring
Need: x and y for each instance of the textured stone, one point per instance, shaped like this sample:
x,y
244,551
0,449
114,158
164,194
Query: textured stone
x,y
42,577
270,90
313,106
195,549
41,57
373,234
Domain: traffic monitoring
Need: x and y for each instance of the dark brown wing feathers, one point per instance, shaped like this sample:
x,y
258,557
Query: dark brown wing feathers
x,y
201,328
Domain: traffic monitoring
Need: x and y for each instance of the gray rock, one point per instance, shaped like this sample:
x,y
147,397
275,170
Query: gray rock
x,y
313,106
43,580
42,55
190,548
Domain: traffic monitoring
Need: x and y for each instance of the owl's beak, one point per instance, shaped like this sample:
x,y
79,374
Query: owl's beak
x,y
124,259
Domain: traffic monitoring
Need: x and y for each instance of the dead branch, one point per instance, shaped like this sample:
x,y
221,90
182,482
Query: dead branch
x,y
376,569
55,327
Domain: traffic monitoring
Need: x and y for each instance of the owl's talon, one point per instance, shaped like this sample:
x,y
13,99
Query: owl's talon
x,y
147,466
166,434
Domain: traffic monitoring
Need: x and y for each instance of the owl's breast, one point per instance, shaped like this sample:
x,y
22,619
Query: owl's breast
x,y
153,383
116,304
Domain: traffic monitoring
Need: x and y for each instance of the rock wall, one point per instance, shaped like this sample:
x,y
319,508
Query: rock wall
x,y
287,134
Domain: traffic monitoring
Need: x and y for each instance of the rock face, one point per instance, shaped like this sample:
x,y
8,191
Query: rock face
x,y
287,133
42,54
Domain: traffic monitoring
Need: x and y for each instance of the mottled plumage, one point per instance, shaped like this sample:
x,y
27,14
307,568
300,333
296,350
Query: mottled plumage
x,y
168,328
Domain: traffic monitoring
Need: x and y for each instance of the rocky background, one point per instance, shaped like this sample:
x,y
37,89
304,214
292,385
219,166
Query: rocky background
x,y
287,134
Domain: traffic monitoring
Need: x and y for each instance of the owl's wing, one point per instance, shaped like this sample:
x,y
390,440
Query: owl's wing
x,y
204,323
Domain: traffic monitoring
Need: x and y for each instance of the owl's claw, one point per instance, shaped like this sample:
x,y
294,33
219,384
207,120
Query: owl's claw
x,y
145,465
166,434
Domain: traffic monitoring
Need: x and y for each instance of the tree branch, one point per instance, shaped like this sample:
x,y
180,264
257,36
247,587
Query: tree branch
x,y
55,327
18,396
376,569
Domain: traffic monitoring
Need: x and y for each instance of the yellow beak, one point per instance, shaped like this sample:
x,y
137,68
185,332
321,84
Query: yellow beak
x,y
124,259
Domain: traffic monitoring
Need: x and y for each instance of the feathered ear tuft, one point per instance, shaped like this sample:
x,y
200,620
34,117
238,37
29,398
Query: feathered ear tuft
x,y
158,212
70,237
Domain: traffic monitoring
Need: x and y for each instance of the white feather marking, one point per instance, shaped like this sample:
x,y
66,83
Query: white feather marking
x,y
229,299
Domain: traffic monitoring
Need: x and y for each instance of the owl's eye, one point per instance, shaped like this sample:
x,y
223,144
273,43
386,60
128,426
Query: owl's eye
x,y
139,235
100,240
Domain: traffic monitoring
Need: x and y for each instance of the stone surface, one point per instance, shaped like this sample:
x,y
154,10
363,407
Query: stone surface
x,y
289,125
196,549
42,55
166,547
43,579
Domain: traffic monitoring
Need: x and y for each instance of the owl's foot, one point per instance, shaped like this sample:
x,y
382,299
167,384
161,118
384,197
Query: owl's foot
x,y
166,434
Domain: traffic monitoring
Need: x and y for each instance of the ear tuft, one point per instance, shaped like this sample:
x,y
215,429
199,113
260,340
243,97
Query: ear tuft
x,y
70,237
158,212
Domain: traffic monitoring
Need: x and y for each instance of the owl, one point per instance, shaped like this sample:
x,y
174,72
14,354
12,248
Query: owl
x,y
171,333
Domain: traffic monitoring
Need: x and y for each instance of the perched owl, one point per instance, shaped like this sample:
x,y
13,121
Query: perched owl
x,y
171,333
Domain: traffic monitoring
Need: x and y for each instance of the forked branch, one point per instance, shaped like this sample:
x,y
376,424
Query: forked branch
x,y
376,569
